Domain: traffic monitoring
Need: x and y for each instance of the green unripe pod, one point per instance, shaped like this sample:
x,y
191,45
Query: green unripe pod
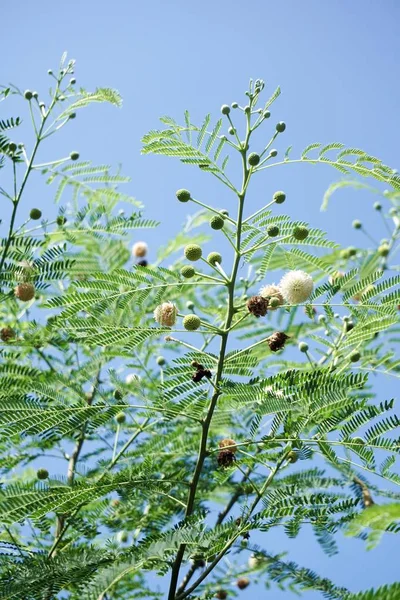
x,y
303,347
42,473
253,159
61,220
161,361
117,394
266,114
217,222
274,302
190,305
300,232
357,224
383,249
188,271
193,252
225,109
279,197
74,155
355,356
28,95
191,322
273,230
235,105
120,418
280,127
377,206
35,214
214,257
273,153
183,195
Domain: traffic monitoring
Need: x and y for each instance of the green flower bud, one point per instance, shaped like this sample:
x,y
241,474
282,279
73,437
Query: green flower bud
x,y
35,95
193,252
72,81
12,146
253,159
377,206
187,271
344,254
61,220
42,473
274,302
74,155
190,305
224,213
352,251
183,195
49,72
120,418
117,395
72,115
357,224
321,319
266,114
231,131
214,257
191,322
280,127
303,347
273,230
247,109
217,222
292,456
383,250
225,109
300,232
355,356
273,153
234,105
28,95
279,197
35,214
161,361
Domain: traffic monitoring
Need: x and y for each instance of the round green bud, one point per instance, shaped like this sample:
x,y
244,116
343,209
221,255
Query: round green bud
x,y
214,257
42,105
183,195
120,418
61,220
266,114
190,305
273,230
49,72
72,115
292,456
28,95
247,109
187,271
235,105
280,127
117,395
193,252
357,224
74,155
224,212
225,109
161,361
393,212
274,302
279,197
253,159
355,356
273,153
42,473
300,232
35,214
352,251
377,206
322,319
231,131
383,250
344,253
72,81
217,222
191,322
303,347
12,146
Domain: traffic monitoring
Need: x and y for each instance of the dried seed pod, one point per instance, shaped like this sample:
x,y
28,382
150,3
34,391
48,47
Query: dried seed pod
x,y
277,340
228,443
242,583
257,306
24,291
225,458
7,334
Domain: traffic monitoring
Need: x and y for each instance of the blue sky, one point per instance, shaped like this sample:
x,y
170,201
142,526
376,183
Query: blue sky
x,y
337,65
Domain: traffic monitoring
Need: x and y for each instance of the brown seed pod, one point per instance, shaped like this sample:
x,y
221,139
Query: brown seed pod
x,y
7,334
24,291
225,458
257,306
221,595
277,340
242,583
228,443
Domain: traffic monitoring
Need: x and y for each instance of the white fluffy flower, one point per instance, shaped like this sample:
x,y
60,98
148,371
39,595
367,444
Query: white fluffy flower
x,y
296,286
271,291
139,249
165,314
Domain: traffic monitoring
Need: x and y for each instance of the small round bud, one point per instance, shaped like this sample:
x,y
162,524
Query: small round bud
x,y
74,155
120,418
243,145
42,473
72,115
234,105
247,109
344,254
214,257
72,81
357,224
35,214
273,230
188,271
117,395
300,233
161,361
273,153
190,305
352,251
321,319
139,249
225,109
193,252
7,334
191,322
231,131
253,159
274,303
42,105
49,72
280,127
35,95
266,114
12,146
355,356
221,595
183,195
383,249
279,197
61,220
24,292
377,206
28,95
303,347
217,222
224,212
292,456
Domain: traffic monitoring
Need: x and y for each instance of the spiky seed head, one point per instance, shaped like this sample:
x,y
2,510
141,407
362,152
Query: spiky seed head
x,y
117,394
355,356
217,222
383,249
243,583
139,249
161,361
272,293
273,230
357,224
188,271
292,456
214,257
303,347
28,95
193,252
300,232
273,153
377,206
296,286
120,418
165,314
280,127
7,334
24,291
257,306
74,155
253,159
35,214
183,195
225,109
279,197
42,473
191,322
277,340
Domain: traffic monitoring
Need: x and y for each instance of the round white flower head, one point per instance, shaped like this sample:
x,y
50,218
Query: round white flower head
x,y
296,286
271,291
165,314
139,249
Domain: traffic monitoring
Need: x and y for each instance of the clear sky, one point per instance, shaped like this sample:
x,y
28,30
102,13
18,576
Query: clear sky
x,y
337,64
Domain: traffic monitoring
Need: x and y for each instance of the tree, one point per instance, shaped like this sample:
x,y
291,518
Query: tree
x,y
213,359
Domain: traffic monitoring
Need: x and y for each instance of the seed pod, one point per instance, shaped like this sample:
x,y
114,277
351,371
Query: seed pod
x,y
225,458
257,306
24,291
7,334
277,340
